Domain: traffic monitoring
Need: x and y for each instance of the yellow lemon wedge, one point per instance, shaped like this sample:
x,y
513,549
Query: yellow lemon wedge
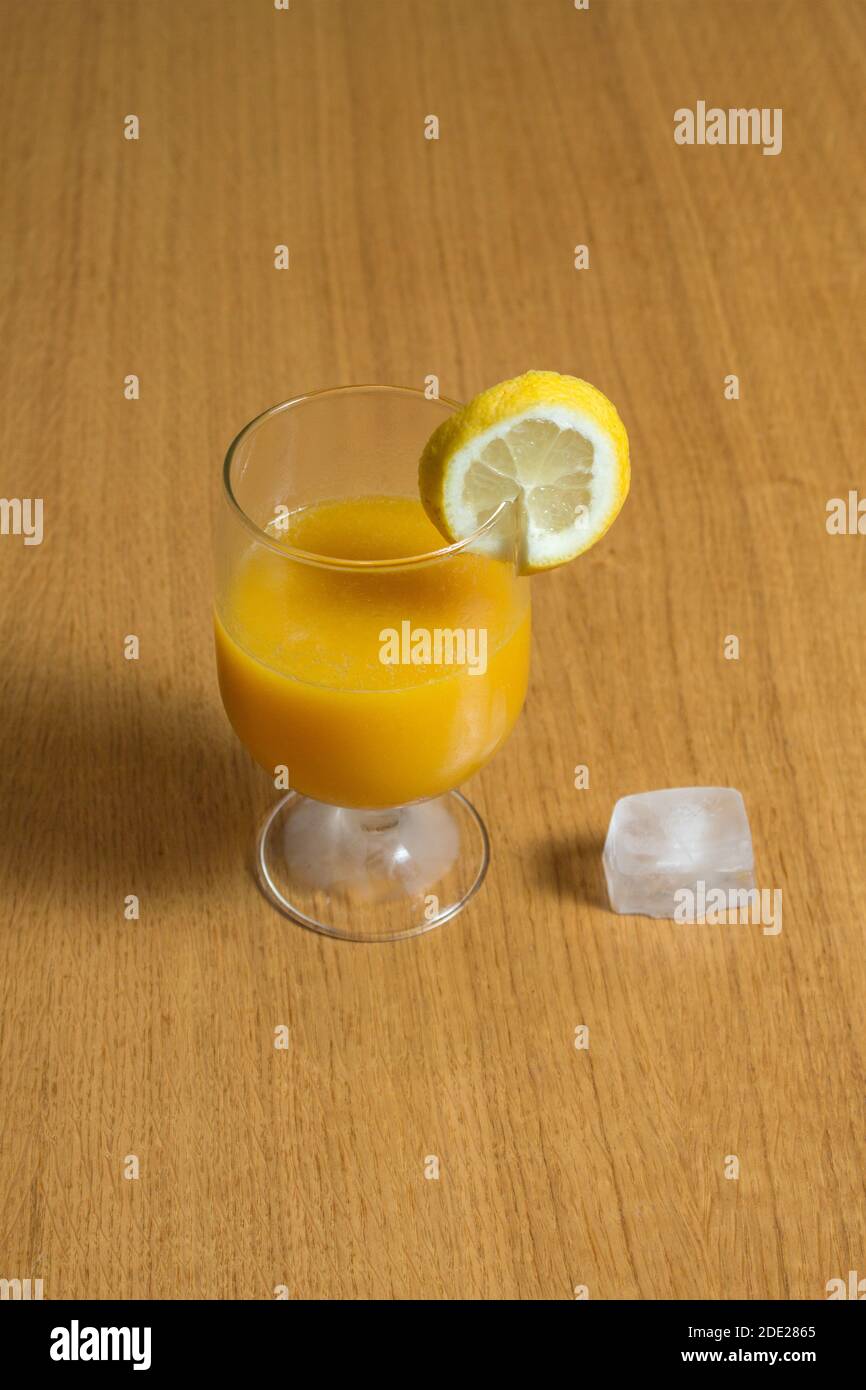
x,y
553,443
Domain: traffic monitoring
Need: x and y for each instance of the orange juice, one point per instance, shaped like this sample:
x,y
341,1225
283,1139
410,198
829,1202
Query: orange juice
x,y
341,675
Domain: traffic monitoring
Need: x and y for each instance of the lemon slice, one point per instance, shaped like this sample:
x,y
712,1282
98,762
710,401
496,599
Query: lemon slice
x,y
554,443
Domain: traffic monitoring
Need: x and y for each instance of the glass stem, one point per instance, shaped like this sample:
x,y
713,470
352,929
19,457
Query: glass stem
x,y
379,820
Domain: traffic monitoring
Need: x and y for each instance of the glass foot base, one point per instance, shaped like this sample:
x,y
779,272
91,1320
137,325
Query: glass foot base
x,y
371,875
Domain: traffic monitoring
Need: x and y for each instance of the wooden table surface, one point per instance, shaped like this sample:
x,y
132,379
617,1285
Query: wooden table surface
x,y
559,1167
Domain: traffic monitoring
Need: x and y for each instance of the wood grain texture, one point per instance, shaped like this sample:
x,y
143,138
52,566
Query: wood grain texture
x,y
558,1167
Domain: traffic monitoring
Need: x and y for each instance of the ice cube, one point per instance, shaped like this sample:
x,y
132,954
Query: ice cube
x,y
663,841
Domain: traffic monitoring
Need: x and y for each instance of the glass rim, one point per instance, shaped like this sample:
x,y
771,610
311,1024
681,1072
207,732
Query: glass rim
x,y
309,557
